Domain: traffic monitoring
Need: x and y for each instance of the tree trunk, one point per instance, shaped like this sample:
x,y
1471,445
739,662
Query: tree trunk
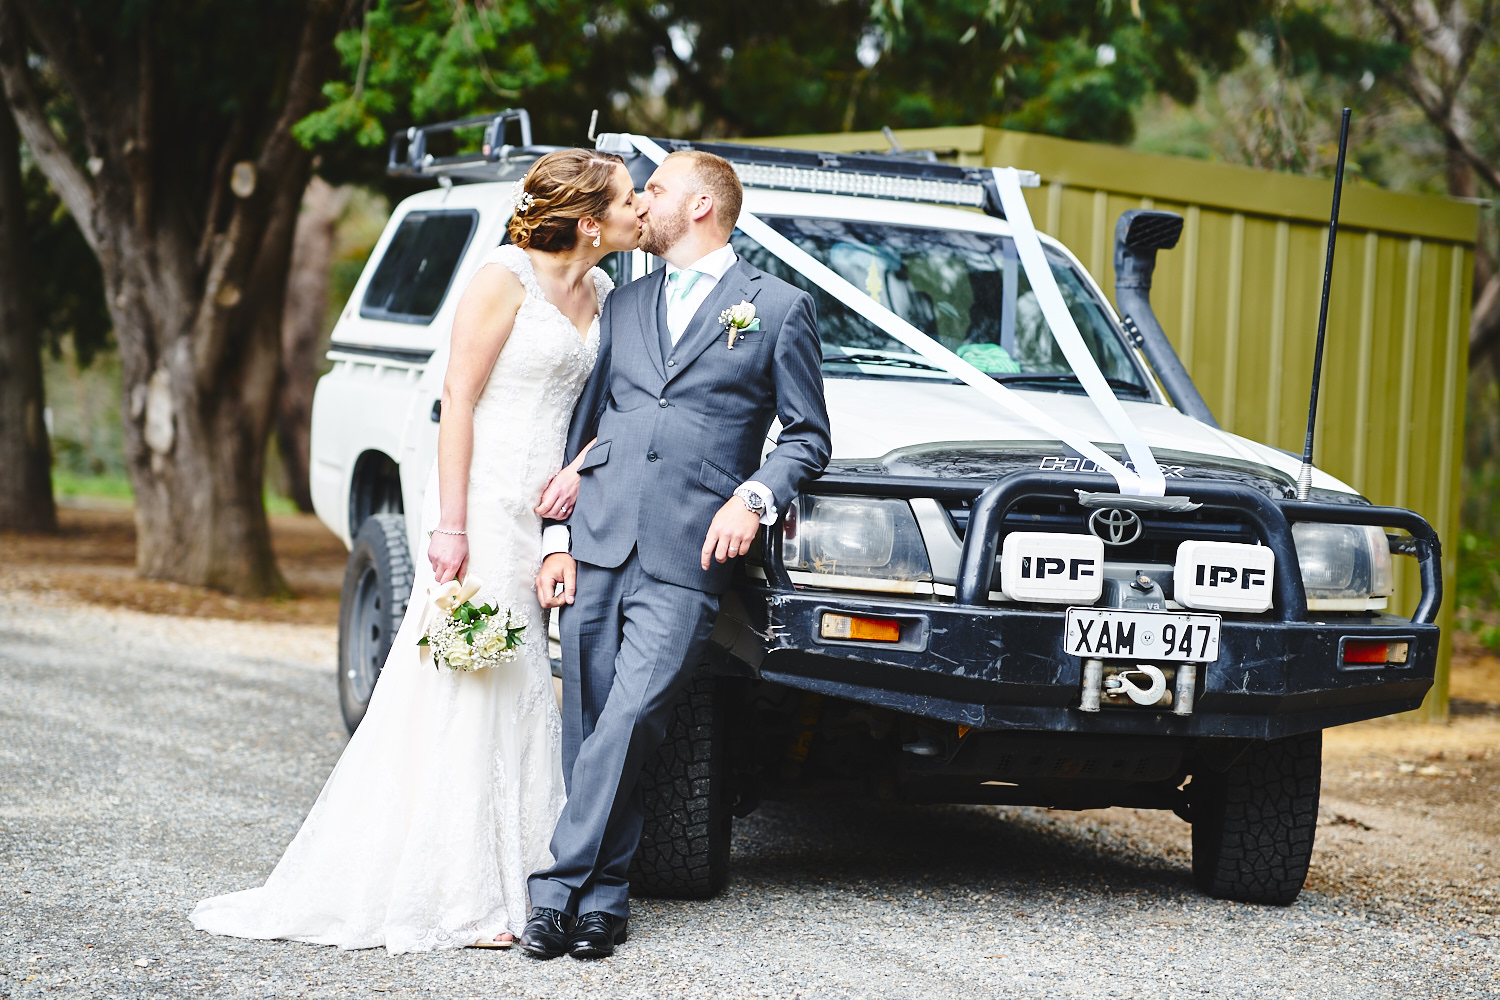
x,y
302,330
195,288
25,454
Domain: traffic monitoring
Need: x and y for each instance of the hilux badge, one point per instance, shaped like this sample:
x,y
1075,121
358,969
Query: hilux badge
x,y
1114,526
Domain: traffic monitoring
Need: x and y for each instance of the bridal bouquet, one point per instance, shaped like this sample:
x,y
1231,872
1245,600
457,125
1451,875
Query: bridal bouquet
x,y
461,636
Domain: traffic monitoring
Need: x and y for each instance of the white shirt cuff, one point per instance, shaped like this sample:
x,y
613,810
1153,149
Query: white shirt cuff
x,y
764,492
556,538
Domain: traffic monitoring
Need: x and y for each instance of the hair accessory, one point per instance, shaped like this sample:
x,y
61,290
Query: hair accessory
x,y
522,198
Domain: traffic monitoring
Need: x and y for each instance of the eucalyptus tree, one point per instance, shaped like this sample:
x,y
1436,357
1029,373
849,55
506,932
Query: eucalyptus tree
x,y
25,486
178,163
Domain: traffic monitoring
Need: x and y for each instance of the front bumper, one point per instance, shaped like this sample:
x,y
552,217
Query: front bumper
x,y
992,667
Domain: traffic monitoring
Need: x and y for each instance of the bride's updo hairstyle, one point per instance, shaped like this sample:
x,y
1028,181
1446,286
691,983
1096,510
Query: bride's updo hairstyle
x,y
559,189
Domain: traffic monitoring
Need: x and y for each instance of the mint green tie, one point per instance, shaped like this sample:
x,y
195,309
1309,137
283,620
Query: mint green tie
x,y
682,284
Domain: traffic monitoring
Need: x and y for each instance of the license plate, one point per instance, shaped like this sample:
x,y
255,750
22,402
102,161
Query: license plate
x,y
1144,635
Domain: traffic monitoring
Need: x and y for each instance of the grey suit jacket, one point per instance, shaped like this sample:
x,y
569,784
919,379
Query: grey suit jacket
x,y
677,435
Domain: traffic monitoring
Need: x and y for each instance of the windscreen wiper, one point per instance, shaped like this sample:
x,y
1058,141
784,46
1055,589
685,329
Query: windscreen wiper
x,y
1114,383
880,359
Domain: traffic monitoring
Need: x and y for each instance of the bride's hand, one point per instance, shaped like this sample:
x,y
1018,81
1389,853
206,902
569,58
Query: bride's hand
x,y
560,495
449,555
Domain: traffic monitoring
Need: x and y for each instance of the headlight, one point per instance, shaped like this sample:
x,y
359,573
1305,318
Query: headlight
x,y
865,538
1343,562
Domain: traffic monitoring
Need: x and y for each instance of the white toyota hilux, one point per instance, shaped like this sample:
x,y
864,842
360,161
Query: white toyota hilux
x,y
1035,571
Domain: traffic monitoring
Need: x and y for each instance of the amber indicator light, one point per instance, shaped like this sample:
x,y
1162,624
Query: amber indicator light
x,y
861,629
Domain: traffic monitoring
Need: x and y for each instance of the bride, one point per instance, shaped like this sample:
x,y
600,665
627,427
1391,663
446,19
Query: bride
x,y
445,798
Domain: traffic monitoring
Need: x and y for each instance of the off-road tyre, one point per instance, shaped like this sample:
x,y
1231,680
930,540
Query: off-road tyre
x,y
684,850
377,584
1253,825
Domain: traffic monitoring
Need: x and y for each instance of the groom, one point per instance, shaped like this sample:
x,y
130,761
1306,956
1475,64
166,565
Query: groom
x,y
673,491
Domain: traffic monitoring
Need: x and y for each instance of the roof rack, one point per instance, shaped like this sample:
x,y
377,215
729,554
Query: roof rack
x,y
865,175
495,161
898,175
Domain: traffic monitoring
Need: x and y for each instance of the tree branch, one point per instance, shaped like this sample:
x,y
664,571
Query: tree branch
x,y
217,187
81,67
1484,323
70,183
305,85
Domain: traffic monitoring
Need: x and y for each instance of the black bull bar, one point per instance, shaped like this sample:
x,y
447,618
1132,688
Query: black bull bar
x,y
1295,680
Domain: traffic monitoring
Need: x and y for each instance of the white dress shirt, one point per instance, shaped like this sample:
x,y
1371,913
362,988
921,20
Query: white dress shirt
x,y
711,268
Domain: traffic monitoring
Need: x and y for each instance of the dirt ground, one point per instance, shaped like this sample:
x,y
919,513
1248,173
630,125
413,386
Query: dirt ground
x,y
92,558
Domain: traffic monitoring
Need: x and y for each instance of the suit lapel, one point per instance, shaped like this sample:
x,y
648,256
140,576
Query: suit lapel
x,y
646,318
739,284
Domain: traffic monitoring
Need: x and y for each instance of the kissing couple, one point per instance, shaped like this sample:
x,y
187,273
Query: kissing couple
x,y
630,425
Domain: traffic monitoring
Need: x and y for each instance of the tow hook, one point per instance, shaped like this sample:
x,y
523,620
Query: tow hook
x,y
1119,683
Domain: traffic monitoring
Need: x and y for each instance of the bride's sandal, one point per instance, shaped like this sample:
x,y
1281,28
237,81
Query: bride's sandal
x,y
502,940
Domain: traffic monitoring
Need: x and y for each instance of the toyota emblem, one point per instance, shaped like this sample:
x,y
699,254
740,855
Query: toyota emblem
x,y
1114,526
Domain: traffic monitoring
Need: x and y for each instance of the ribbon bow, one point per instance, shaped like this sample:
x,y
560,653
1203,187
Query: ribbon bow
x,y
446,597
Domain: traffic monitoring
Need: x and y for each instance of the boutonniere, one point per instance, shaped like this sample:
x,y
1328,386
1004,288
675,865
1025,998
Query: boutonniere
x,y
738,319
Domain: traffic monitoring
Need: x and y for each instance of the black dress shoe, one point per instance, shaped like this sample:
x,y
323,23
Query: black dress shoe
x,y
597,934
546,932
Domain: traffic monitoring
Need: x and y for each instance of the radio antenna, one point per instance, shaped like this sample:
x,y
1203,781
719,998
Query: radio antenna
x,y
1304,475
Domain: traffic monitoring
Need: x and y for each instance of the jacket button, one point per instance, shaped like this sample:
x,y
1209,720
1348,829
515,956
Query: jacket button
x,y
662,402
672,363
651,456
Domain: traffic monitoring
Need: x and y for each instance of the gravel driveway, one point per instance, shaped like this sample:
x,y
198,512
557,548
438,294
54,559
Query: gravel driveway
x,y
148,761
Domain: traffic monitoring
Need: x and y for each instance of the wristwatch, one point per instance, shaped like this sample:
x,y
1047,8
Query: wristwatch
x,y
753,501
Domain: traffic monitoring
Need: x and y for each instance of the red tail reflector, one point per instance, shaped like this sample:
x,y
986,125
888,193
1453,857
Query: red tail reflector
x,y
1374,651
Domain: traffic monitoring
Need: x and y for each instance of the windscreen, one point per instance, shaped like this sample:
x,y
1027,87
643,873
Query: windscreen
x,y
966,290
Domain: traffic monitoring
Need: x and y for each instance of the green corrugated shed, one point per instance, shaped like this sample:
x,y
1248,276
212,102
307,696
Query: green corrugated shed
x,y
1239,299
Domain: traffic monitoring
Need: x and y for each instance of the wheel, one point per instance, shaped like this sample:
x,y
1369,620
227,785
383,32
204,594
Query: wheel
x,y
377,584
684,851
1253,824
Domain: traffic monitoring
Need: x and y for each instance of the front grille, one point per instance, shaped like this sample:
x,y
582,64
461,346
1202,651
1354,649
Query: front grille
x,y
1161,533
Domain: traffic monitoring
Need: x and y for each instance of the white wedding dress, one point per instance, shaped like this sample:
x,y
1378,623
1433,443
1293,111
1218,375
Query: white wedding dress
x,y
445,798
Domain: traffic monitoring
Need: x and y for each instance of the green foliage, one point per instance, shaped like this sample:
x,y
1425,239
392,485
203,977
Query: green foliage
x,y
1076,68
433,60
1478,575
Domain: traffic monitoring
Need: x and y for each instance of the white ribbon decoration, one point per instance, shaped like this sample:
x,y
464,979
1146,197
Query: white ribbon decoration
x,y
1150,481
888,322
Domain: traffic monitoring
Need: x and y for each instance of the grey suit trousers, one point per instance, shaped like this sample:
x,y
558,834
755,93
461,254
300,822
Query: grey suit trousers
x,y
630,644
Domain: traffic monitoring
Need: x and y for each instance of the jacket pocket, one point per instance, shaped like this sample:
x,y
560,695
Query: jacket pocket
x,y
717,480
598,455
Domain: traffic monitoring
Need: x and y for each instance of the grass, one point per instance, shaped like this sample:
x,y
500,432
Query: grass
x,y
72,486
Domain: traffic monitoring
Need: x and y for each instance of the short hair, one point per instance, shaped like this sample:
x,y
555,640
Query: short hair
x,y
717,177
565,185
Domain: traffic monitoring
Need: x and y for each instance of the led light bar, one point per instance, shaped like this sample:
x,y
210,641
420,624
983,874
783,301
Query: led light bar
x,y
782,178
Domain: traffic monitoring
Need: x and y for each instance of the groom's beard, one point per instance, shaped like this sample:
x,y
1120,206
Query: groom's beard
x,y
659,234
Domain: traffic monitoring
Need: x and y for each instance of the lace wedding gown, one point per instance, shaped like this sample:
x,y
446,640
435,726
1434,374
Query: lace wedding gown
x,y
445,798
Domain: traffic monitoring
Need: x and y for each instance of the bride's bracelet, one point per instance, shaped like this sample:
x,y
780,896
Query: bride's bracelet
x,y
446,531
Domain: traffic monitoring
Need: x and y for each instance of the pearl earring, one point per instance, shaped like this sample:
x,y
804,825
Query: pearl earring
x,y
596,241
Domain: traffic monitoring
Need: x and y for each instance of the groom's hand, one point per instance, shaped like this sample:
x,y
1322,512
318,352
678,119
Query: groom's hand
x,y
558,568
734,528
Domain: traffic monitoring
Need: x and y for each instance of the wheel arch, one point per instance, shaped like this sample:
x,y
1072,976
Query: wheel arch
x,y
374,488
